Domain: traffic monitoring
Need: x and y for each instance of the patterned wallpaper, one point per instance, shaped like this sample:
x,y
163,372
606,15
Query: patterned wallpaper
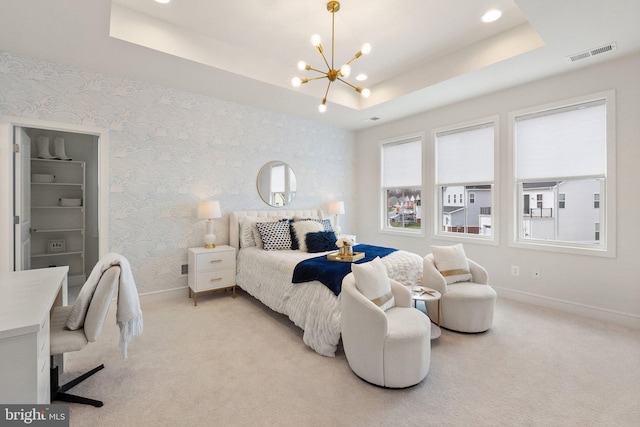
x,y
169,149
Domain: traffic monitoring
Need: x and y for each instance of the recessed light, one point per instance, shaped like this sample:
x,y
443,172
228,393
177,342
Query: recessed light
x,y
492,15
163,1
361,77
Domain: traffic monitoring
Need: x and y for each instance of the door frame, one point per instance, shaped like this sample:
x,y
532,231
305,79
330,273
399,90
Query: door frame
x,y
7,137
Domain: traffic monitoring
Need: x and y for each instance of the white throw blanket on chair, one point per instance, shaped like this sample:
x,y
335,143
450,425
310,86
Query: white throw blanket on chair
x,y
128,314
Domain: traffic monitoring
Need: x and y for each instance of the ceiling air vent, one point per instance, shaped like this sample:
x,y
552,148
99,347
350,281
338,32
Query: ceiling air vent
x,y
592,52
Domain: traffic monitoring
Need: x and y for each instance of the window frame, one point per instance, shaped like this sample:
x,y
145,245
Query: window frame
x,y
382,194
606,247
436,188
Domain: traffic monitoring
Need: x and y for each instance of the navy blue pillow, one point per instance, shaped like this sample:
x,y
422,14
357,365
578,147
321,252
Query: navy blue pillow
x,y
321,241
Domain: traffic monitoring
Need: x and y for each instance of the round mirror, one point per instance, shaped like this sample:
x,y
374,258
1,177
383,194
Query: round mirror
x,y
276,183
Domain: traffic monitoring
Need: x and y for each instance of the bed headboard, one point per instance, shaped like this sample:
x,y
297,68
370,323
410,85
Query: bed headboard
x,y
236,217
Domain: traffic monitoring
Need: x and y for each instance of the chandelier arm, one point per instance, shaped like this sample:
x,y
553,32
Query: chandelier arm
x,y
317,71
327,91
333,45
318,78
325,59
349,84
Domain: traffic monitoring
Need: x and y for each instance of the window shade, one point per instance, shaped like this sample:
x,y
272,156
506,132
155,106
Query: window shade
x,y
568,143
402,164
465,156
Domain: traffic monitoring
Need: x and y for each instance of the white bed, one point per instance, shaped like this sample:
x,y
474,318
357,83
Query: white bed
x,y
267,275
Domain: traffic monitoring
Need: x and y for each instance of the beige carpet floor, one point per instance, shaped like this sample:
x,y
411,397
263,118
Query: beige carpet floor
x,y
233,362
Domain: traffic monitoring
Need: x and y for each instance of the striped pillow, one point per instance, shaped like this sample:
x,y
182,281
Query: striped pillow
x,y
452,263
373,283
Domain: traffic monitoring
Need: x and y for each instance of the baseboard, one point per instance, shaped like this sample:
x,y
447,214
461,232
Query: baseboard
x,y
166,294
623,319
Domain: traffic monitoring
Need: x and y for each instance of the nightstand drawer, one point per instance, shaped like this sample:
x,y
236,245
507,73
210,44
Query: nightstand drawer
x,y
214,260
221,278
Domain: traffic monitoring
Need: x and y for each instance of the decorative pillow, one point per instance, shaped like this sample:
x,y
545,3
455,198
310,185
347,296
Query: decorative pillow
x,y
321,241
249,235
275,235
301,228
373,283
451,262
326,226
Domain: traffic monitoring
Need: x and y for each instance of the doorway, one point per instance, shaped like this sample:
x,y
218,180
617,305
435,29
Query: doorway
x,y
61,194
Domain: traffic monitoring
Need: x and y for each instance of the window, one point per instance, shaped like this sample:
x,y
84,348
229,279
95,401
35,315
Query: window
x,y
561,153
465,169
401,164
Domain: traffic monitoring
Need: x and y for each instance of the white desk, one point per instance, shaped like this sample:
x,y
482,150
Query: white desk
x,y
26,298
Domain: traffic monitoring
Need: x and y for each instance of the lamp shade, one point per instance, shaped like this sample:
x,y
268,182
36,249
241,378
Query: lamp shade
x,y
336,208
209,209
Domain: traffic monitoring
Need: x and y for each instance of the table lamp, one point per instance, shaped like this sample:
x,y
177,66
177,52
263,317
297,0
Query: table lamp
x,y
209,210
336,208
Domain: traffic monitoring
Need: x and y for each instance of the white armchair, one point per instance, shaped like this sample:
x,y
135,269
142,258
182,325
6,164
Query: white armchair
x,y
465,306
389,348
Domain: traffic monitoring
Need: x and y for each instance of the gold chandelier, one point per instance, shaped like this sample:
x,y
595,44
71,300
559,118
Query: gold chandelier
x,y
332,74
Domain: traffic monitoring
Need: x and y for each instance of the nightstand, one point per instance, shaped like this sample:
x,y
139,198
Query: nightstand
x,y
211,269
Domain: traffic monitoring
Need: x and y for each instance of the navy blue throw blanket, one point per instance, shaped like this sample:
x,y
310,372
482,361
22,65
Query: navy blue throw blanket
x,y
331,273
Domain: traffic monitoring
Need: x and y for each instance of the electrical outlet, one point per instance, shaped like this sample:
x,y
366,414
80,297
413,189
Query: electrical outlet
x,y
515,270
536,273
184,268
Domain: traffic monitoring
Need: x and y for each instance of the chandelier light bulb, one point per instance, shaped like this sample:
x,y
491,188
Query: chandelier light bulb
x,y
345,70
322,108
296,82
302,65
316,40
366,93
365,49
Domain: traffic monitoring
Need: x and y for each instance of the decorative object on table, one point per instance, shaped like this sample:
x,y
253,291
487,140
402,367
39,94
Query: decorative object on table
x,y
54,246
209,210
421,291
43,148
345,245
332,74
355,256
336,208
58,149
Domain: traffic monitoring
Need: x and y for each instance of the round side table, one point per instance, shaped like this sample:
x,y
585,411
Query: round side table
x,y
424,294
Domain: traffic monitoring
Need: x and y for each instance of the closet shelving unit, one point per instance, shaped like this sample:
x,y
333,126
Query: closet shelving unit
x,y
57,231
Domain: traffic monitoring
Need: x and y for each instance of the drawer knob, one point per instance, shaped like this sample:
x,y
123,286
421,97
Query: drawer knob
x,y
216,260
215,279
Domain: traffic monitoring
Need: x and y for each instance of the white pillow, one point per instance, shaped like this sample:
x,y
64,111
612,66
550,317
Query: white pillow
x,y
452,263
249,235
373,283
301,228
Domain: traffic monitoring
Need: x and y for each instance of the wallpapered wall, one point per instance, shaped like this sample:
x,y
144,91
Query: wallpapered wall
x,y
169,149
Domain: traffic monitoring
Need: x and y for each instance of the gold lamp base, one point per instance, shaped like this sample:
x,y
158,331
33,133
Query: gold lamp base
x,y
209,246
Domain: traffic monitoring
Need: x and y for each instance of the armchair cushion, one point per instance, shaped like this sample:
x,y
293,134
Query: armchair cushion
x,y
373,283
452,263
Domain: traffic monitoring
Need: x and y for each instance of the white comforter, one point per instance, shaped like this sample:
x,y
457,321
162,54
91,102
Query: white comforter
x,y
311,306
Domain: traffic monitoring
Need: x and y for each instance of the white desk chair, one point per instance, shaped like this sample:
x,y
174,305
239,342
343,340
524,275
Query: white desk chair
x,y
64,340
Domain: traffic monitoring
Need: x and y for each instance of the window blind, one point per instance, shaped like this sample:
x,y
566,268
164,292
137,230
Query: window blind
x,y
465,156
402,164
562,143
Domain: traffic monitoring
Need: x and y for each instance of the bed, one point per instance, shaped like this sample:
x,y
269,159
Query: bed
x,y
267,276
